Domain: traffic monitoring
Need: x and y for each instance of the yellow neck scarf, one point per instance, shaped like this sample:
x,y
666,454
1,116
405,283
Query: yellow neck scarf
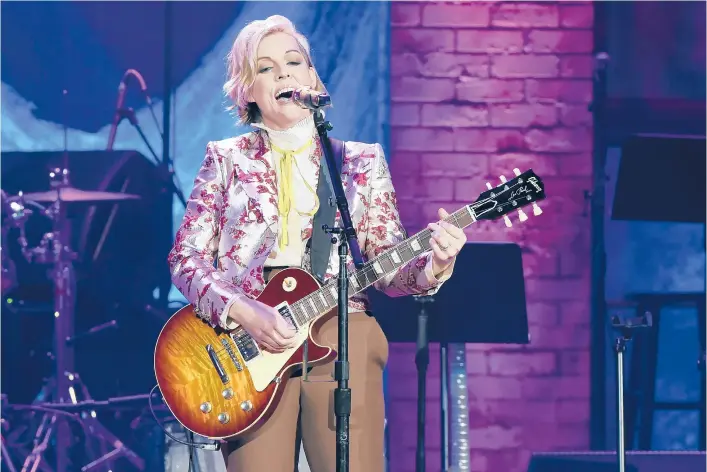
x,y
285,199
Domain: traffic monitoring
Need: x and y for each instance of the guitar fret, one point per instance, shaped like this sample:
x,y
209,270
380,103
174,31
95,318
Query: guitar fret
x,y
317,303
387,263
294,308
405,251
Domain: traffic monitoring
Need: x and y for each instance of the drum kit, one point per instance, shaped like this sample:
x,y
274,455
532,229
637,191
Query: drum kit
x,y
59,401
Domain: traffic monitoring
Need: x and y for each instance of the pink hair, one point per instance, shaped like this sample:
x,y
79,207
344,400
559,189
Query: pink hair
x,y
242,63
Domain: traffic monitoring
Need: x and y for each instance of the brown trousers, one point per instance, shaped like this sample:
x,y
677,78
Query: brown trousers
x,y
306,411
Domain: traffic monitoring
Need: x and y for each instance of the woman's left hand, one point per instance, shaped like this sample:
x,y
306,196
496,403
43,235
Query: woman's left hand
x,y
446,242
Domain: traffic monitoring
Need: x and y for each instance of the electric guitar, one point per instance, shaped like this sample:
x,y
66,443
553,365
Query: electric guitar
x,y
222,385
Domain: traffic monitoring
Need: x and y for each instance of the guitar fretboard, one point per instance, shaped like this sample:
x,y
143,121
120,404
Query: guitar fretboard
x,y
326,298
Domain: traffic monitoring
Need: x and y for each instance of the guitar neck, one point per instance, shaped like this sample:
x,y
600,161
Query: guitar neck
x,y
326,298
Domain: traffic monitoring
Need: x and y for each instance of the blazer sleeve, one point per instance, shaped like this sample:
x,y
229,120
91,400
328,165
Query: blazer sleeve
x,y
385,231
191,259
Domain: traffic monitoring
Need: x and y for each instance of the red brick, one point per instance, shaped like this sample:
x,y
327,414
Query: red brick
x,y
468,190
575,165
430,188
576,115
555,388
556,289
559,140
575,312
404,114
522,363
404,14
420,40
454,115
507,460
458,16
476,362
557,437
412,89
572,411
574,362
522,115
577,67
490,41
560,337
454,164
543,314
406,63
404,164
422,139
568,91
523,15
495,437
440,64
537,264
522,66
488,140
577,16
519,412
485,387
490,91
559,41
503,164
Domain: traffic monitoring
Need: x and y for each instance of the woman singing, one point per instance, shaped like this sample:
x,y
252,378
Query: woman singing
x,y
250,214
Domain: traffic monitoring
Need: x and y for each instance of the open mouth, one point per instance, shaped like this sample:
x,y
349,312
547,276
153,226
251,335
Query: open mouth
x,y
284,95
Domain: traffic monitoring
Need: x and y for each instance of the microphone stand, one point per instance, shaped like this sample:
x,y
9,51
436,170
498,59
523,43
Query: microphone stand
x,y
165,174
346,238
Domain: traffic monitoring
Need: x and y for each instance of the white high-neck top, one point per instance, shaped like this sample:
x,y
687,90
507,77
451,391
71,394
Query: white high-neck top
x,y
293,139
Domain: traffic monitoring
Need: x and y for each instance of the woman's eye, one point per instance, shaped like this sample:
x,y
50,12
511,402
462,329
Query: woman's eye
x,y
294,63
264,69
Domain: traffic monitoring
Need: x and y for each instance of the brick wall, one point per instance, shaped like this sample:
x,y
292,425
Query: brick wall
x,y
478,89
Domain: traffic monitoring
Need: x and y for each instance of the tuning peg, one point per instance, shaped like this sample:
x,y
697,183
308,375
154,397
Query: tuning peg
x,y
516,171
505,217
537,211
521,214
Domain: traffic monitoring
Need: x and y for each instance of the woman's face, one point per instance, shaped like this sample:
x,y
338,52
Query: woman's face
x,y
280,68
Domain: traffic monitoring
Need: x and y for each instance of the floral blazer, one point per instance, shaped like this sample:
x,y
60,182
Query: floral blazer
x,y
231,223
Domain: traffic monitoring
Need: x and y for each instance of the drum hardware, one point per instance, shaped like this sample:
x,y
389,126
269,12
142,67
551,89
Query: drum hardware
x,y
55,250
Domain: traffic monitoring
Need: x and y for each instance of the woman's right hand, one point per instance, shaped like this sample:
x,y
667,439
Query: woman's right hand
x,y
265,325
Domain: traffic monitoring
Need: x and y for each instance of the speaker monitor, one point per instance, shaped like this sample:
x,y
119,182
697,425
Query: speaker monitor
x,y
606,461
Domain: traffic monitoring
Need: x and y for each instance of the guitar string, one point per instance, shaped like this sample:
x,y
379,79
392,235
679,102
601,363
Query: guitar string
x,y
423,235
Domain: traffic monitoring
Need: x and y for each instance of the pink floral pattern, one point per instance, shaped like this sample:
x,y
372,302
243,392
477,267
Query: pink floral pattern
x,y
231,218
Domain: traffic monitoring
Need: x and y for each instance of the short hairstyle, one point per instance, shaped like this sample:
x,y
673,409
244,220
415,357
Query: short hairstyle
x,y
242,63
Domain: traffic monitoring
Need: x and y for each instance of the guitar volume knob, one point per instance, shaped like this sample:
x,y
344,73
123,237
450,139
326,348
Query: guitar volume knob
x,y
228,393
246,405
223,418
205,407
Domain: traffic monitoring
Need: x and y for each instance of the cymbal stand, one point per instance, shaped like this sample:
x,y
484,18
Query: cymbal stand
x,y
55,249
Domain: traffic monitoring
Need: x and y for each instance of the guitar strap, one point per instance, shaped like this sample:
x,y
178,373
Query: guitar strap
x,y
320,242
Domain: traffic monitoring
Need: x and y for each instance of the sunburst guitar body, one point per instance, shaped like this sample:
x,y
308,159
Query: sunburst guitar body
x,y
222,385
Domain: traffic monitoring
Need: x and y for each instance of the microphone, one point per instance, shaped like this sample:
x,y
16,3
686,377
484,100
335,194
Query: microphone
x,y
143,89
311,99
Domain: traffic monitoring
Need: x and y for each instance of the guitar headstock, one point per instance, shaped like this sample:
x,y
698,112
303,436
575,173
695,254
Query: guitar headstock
x,y
511,195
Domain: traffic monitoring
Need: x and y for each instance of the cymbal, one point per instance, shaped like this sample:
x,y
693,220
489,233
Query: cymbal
x,y
72,194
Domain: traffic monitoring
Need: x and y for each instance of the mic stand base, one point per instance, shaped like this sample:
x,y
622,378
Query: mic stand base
x,y
422,361
625,330
342,392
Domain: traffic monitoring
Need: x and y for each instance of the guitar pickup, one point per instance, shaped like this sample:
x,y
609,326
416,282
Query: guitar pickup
x,y
217,364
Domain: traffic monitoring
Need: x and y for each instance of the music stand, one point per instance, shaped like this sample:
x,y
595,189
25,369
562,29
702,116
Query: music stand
x,y
677,164
483,302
